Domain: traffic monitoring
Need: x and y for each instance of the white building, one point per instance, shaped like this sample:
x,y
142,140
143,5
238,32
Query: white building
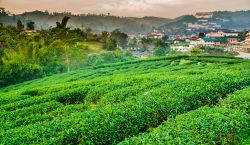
x,y
231,34
182,47
204,15
215,34
156,34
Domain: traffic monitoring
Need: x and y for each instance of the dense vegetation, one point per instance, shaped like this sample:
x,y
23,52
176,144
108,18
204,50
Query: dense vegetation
x,y
27,54
226,123
107,103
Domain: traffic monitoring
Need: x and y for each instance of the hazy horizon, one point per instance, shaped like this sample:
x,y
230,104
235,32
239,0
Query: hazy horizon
x,y
128,8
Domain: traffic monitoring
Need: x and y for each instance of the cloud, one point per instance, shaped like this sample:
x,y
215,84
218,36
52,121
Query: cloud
x,y
163,8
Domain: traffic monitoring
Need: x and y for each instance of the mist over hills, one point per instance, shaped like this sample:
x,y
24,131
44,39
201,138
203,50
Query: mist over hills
x,y
98,23
238,20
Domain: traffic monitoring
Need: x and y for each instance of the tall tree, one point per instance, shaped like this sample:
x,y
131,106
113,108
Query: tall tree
x,y
89,33
3,12
104,36
20,25
30,25
63,24
120,37
202,35
65,21
165,38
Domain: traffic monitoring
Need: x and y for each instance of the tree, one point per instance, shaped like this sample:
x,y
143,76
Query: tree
x,y
64,21
30,25
110,45
63,24
3,12
121,38
242,36
196,51
133,43
104,36
165,38
89,33
20,25
159,51
202,35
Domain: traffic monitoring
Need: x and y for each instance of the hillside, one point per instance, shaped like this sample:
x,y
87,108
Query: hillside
x,y
228,20
97,23
239,20
233,20
187,100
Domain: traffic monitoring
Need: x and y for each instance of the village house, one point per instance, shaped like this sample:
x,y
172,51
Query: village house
x,y
247,40
182,47
204,15
195,42
207,42
231,34
156,34
233,41
248,34
244,46
215,34
178,40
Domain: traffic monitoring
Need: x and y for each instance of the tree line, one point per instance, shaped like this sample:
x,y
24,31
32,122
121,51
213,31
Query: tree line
x,y
28,54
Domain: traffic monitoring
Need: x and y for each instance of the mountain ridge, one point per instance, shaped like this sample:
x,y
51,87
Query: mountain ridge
x,y
130,25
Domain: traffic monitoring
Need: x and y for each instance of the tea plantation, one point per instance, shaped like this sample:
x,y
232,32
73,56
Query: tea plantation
x,y
166,100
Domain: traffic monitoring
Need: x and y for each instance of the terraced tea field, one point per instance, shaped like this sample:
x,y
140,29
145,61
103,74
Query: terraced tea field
x,y
167,100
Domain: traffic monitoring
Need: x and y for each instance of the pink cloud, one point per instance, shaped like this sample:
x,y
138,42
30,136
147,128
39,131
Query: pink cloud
x,y
163,8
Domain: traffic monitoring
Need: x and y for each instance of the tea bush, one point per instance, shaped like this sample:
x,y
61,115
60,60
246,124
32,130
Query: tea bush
x,y
108,103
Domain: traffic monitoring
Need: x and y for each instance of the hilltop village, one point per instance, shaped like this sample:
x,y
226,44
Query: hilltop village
x,y
202,34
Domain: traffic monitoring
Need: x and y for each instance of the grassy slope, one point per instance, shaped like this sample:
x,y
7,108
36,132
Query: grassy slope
x,y
105,104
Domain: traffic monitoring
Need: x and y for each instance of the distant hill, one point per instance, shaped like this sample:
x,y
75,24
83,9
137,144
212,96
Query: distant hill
x,y
239,20
97,23
233,20
180,21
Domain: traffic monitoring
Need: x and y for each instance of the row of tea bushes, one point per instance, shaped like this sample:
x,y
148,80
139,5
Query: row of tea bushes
x,y
227,123
112,122
108,104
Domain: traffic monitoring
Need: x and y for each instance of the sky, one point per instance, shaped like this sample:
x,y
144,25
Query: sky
x,y
135,8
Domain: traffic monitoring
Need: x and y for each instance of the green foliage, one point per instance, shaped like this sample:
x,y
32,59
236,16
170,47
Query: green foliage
x,y
217,51
15,71
107,103
42,53
159,51
115,40
227,123
196,51
111,45
20,26
202,126
109,57
240,100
